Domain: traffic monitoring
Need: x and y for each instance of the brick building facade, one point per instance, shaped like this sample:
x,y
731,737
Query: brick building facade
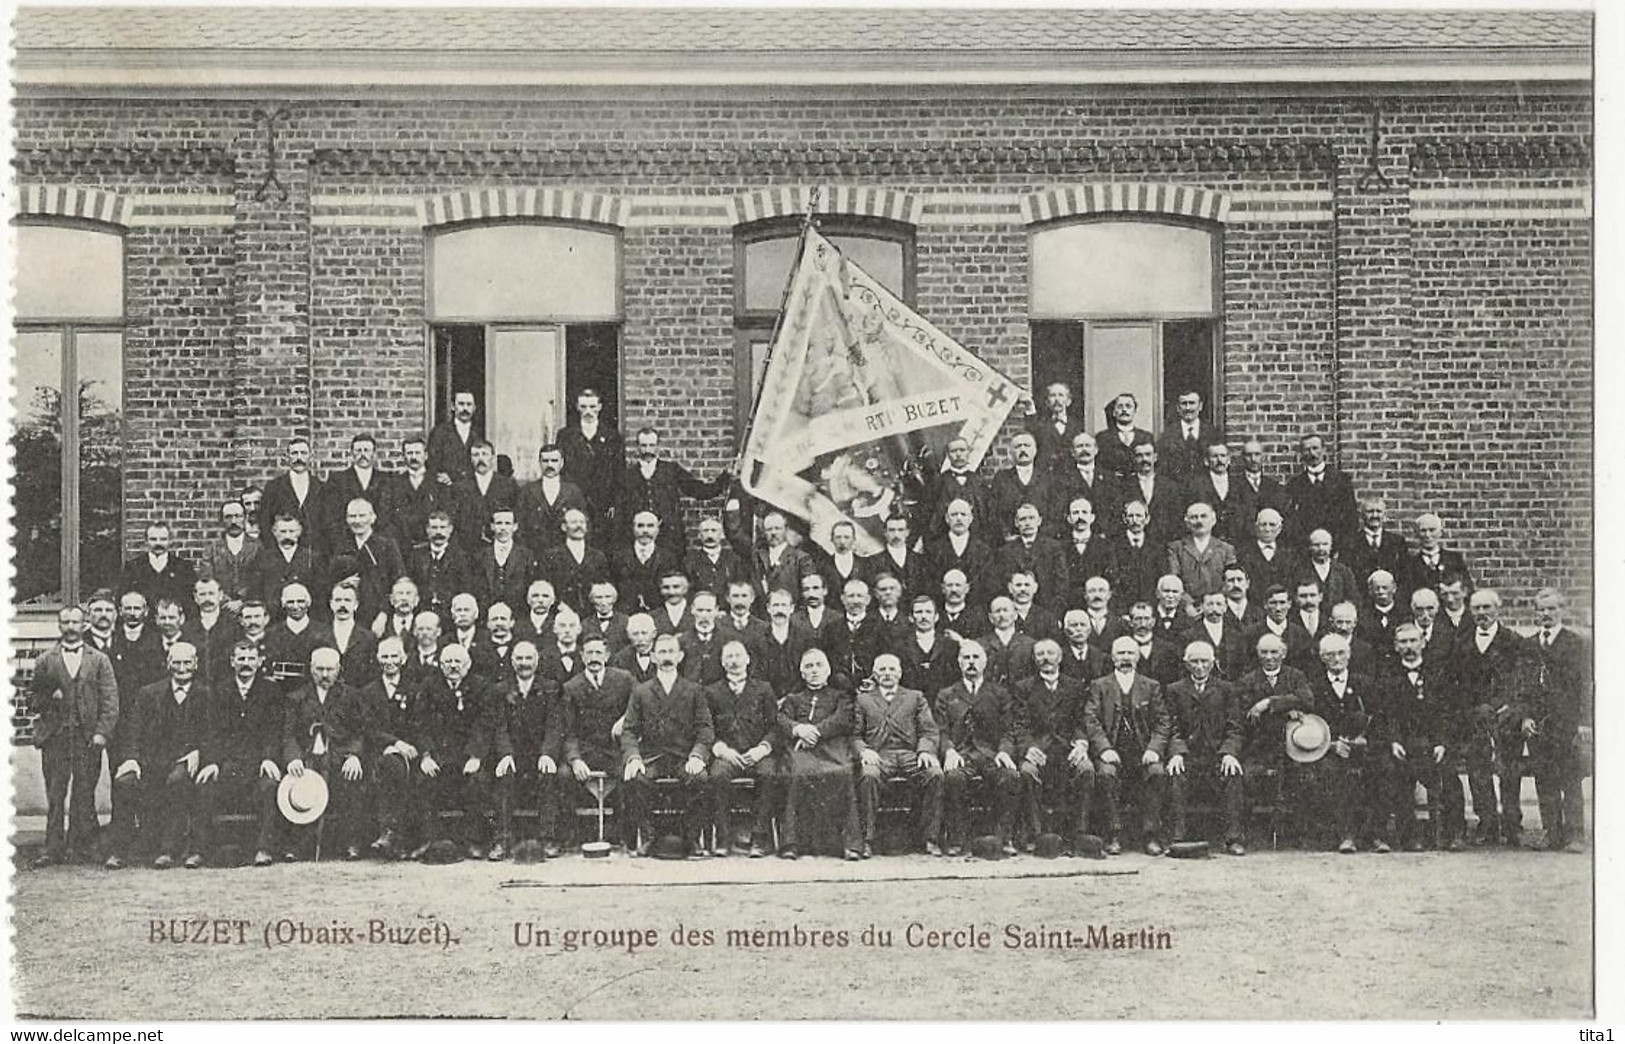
x,y
1398,207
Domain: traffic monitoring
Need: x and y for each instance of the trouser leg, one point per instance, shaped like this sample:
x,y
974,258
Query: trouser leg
x,y
1107,791
928,793
721,776
1082,785
1480,776
1153,781
1233,793
83,826
955,782
869,781
56,764
127,800
391,787
1513,770
635,804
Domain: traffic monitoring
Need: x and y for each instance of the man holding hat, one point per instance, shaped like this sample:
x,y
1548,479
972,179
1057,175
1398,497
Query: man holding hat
x,y
667,734
535,725
1205,751
744,718
167,740
324,728
1272,695
462,735
1129,729
978,723
595,701
1054,746
896,738
1351,782
243,765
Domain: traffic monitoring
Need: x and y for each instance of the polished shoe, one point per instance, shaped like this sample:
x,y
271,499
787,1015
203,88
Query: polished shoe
x,y
1008,849
932,848
193,861
418,852
114,862
1413,845
640,851
758,852
1236,848
788,852
852,855
352,853
550,849
1152,848
720,851
1114,847
955,850
290,857
868,850
45,859
698,850
497,853
1455,844
263,858
1029,846
475,851
384,846
163,862
1346,847
1381,848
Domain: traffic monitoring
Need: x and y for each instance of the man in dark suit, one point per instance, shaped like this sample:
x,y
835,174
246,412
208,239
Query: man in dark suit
x,y
1232,498
286,559
1082,658
1185,438
1423,739
1352,787
138,661
1336,581
740,623
1271,695
594,456
1267,559
1320,497
896,738
1023,482
413,495
451,441
1438,637
638,568
462,731
1278,622
595,701
898,557
701,641
392,699
1241,610
778,565
1084,476
1431,563
604,617
1118,440
358,481
1088,551
1009,652
1163,496
667,734
503,568
364,553
1204,760
959,548
1129,729
1138,559
713,565
959,481
1032,552
536,720
1226,639
158,572
855,639
168,737
479,493
783,642
324,730
230,557
441,568
1158,655
1344,620
928,658
1382,611
1105,623
652,483
1310,617
542,503
977,722
1561,668
1054,427
1492,676
574,565
1054,747
290,641
211,630
958,617
356,645
1264,491
297,492
744,719
1375,546
244,762
74,695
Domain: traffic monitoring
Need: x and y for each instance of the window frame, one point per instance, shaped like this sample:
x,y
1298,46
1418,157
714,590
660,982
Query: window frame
x,y
68,328
749,324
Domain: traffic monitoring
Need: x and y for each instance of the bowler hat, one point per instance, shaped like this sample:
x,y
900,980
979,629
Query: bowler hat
x,y
302,798
530,851
1189,850
1308,738
669,846
1047,846
1090,846
986,847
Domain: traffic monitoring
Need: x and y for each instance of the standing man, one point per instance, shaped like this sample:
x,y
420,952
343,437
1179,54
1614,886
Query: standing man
x,y
361,480
1266,558
75,697
1336,581
1321,496
230,557
287,559
1117,441
1563,691
365,554
441,569
478,494
413,496
1423,741
574,565
1088,552
1263,491
1022,483
452,440
896,738
159,573
542,503
652,483
1138,560
1492,674
667,734
1084,478
779,566
1432,564
1233,500
1032,552
713,566
1185,438
296,493
1375,546
1055,428
594,457
502,568
959,481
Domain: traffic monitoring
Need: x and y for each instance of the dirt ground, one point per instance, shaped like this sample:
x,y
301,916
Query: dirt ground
x,y
1483,934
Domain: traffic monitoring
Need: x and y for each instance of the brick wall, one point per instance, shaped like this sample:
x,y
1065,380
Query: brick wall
x,y
1451,356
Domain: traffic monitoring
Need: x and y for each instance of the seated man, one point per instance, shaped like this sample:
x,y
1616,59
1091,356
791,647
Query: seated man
x,y
1418,700
167,739
392,705
1205,752
978,724
324,726
896,738
667,735
1271,695
815,729
1129,729
595,702
1054,746
743,716
1351,774
460,728
534,709
243,768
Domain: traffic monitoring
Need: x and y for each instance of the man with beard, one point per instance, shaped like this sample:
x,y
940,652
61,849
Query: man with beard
x,y
667,734
463,738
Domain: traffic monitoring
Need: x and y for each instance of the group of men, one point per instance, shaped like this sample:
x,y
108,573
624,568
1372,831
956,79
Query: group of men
x,y
1036,652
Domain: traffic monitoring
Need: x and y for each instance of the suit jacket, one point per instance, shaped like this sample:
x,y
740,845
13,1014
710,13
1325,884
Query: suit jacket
x,y
279,498
676,723
706,575
1096,559
1417,573
975,563
662,494
213,644
780,662
853,650
1264,735
1392,554
1163,663
1137,569
165,731
451,729
410,507
271,572
1356,714
90,701
639,582
1116,456
540,520
392,719
1495,684
753,634
1007,494
1103,633
1339,584
1105,496
1038,624
344,720
967,622
1206,727
927,671
1054,446
612,630
472,509
507,582
245,731
1263,574
702,657
493,660
536,721
1050,721
1420,714
1184,458
1202,572
173,582
592,711
1269,494
836,576
1008,663
1232,656
287,653
440,580
1165,509
793,564
983,726
344,486
1141,722
1328,505
904,723
235,572
449,452
746,719
1085,668
378,562
572,580
1301,651
945,487
595,466
1234,513
913,572
1562,676
1045,558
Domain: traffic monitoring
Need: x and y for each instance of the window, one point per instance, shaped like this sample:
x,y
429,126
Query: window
x,y
1126,305
764,255
70,462
524,316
